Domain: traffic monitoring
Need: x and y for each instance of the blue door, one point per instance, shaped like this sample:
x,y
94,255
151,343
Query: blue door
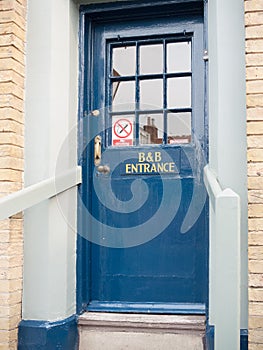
x,y
143,218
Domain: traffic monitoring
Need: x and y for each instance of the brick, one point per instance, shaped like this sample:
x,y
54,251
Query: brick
x,y
10,63
11,298
12,16
254,59
7,336
253,5
255,266
255,113
256,294
12,52
10,76
255,155
254,87
9,311
11,273
12,236
252,346
11,101
255,169
11,151
11,261
254,32
11,39
12,28
9,113
255,225
255,238
10,175
11,126
254,73
256,336
10,286
255,252
9,323
254,45
255,128
254,18
255,280
255,322
255,100
7,224
12,89
255,210
11,163
10,138
6,5
255,309
14,248
255,196
255,183
255,141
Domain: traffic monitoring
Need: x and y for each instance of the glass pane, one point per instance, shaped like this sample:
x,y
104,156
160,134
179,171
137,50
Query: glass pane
x,y
123,95
179,57
179,128
124,61
179,92
151,129
151,94
151,59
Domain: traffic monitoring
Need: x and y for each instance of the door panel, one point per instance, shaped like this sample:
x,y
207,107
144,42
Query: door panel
x,y
148,222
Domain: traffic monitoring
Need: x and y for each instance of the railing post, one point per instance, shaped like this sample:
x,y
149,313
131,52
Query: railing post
x,y
227,308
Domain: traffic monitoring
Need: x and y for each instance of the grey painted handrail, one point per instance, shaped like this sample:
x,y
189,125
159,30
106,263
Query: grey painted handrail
x,y
34,194
225,259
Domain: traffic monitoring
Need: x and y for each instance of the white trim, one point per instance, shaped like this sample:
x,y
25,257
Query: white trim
x,y
34,194
225,258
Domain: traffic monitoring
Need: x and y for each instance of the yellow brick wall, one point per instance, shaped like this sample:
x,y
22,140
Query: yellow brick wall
x,y
254,70
12,73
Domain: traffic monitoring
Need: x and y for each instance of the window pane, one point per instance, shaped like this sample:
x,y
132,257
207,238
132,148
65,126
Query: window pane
x,y
151,94
151,59
123,95
151,129
179,92
179,57
179,128
123,61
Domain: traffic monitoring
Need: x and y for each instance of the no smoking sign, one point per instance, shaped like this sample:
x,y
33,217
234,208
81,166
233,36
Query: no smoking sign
x,y
122,131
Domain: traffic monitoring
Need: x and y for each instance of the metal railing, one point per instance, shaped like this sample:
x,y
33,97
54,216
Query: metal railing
x,y
34,194
225,258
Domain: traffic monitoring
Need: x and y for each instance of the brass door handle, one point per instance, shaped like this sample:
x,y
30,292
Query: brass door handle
x,y
104,169
97,150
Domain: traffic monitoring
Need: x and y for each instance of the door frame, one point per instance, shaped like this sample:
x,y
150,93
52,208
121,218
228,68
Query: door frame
x,y
113,11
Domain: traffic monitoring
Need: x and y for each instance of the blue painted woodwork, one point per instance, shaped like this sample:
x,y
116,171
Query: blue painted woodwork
x,y
45,335
169,272
210,338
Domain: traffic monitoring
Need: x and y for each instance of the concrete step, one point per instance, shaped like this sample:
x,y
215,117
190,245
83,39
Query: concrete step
x,y
118,331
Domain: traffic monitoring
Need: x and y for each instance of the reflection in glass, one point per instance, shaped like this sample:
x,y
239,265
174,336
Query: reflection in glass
x,y
151,94
151,59
179,128
179,92
123,95
124,61
151,129
179,57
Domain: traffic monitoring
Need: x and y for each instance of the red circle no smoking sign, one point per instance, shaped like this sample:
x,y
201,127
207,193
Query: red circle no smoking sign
x,y
122,132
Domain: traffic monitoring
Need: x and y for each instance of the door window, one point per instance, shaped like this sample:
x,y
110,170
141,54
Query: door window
x,y
149,88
